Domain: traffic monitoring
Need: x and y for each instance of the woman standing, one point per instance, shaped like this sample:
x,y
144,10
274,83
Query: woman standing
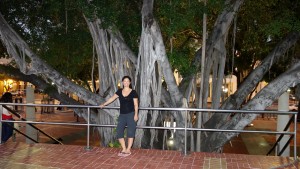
x,y
128,114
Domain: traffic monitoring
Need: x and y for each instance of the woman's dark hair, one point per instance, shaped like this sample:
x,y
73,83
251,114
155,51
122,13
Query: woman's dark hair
x,y
127,77
6,98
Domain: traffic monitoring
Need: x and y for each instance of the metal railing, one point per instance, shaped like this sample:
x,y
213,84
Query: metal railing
x,y
183,110
34,127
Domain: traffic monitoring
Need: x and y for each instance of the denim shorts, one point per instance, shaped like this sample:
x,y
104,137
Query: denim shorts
x,y
123,121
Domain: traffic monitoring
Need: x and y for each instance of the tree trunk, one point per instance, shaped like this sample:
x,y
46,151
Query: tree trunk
x,y
235,100
216,56
115,60
14,73
263,99
16,45
152,61
216,50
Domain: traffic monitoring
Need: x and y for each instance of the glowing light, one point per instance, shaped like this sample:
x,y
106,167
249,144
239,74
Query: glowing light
x,y
171,142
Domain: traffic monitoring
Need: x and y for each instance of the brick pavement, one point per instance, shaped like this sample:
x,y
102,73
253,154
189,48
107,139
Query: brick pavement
x,y
18,155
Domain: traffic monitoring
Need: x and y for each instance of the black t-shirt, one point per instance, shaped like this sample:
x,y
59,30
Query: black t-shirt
x,y
126,103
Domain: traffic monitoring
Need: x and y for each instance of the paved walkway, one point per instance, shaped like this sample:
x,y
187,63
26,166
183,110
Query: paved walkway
x,y
18,155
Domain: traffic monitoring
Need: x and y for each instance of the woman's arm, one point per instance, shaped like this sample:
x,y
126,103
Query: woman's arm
x,y
136,109
113,98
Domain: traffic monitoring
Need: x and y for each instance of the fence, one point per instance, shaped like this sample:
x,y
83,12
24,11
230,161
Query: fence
x,y
182,110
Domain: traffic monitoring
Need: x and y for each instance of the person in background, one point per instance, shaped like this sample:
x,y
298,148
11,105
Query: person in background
x,y
7,128
128,114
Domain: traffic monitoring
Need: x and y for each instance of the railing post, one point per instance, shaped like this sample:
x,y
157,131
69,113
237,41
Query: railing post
x,y
185,132
88,131
1,125
295,137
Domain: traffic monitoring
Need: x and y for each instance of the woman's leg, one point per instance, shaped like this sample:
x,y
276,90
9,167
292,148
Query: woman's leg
x,y
122,142
130,142
120,131
131,128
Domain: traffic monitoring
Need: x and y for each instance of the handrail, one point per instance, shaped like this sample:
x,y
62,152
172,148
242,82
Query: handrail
x,y
88,107
23,119
155,108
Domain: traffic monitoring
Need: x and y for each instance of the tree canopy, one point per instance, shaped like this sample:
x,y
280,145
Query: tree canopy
x,y
57,30
260,26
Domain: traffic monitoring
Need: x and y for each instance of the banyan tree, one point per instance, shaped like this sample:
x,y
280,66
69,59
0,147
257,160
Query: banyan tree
x,y
142,39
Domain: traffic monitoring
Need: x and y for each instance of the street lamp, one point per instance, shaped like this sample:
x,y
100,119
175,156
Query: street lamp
x,y
170,124
224,93
170,140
